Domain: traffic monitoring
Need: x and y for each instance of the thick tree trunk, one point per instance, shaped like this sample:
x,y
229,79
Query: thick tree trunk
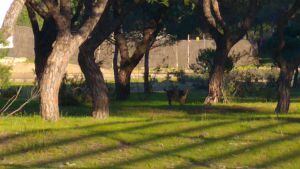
x,y
56,66
284,87
96,84
146,73
215,94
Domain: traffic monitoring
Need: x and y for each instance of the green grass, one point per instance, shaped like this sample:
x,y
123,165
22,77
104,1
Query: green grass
x,y
146,133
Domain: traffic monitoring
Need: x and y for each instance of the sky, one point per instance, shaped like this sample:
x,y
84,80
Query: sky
x,y
4,6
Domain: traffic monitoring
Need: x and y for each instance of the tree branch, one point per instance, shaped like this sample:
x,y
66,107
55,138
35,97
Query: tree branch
x,y
77,12
248,21
33,20
209,20
63,23
216,8
281,24
39,7
89,25
66,9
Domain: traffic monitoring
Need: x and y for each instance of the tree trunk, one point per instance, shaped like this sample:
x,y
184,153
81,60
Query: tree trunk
x,y
146,73
123,83
43,46
11,18
96,84
115,65
124,71
127,63
215,94
56,66
284,86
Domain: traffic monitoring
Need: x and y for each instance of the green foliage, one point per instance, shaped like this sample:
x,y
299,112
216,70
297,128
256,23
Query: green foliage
x,y
4,71
73,91
3,53
4,76
1,38
251,82
2,41
205,62
291,50
23,19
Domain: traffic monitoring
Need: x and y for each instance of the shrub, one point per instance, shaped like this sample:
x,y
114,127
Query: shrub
x,y
245,82
205,62
73,91
5,75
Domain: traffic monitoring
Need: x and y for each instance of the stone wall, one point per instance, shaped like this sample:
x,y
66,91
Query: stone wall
x,y
23,43
171,56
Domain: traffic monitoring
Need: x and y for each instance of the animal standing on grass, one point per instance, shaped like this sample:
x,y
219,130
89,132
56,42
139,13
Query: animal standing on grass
x,y
178,95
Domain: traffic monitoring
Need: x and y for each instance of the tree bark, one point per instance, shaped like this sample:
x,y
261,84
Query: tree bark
x,y
124,72
123,83
96,84
147,88
127,64
215,94
284,87
64,47
11,18
43,46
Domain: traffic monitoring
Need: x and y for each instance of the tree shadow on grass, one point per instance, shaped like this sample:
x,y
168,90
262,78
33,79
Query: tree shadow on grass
x,y
203,112
66,141
6,138
50,161
159,154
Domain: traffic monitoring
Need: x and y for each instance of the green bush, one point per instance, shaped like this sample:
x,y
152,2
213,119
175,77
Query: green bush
x,y
5,73
205,62
4,76
73,91
250,82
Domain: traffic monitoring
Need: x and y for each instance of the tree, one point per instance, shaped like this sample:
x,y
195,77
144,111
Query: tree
x,y
284,45
11,18
69,38
227,22
151,25
94,77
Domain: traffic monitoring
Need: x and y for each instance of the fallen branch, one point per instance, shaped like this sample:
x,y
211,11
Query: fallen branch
x,y
33,95
10,101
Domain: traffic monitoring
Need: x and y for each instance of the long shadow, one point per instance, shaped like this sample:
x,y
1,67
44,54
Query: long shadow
x,y
195,109
6,138
284,157
79,138
213,112
229,154
135,143
187,147
157,154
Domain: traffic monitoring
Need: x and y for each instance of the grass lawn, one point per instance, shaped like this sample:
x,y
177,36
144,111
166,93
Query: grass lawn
x,y
147,133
